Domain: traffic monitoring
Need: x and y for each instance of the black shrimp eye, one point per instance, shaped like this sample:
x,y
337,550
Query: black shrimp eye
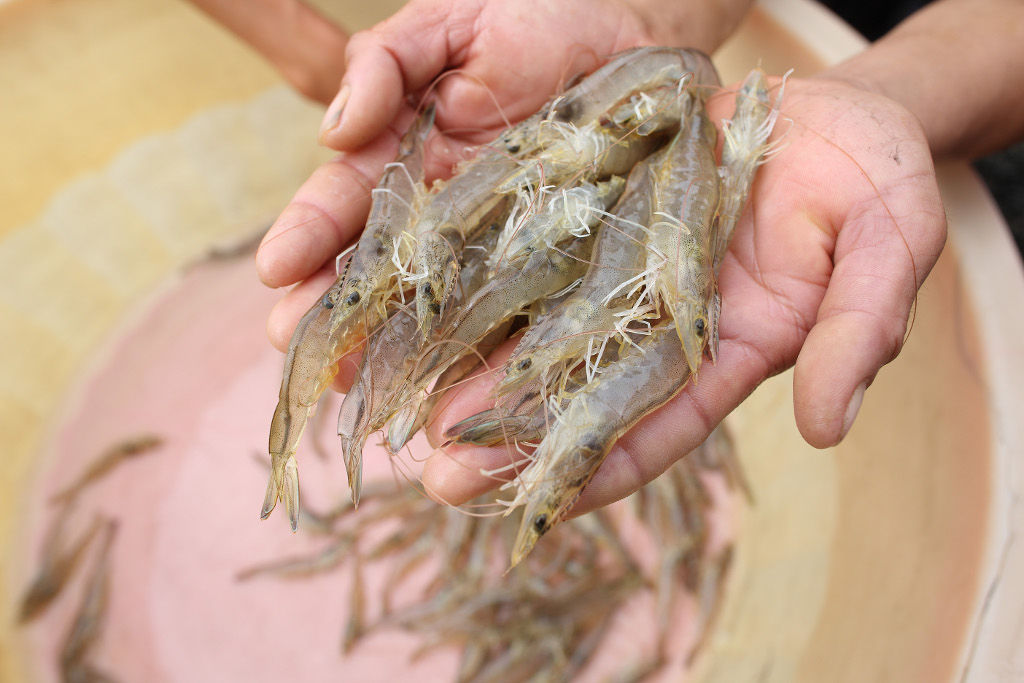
x,y
352,298
426,289
698,326
513,149
540,523
326,301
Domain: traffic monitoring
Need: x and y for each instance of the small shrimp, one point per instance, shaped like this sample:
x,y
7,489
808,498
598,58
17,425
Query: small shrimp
x,y
521,420
325,560
355,626
321,338
56,567
643,379
746,147
88,624
504,296
386,244
466,204
680,258
588,317
568,212
383,367
108,460
628,72
309,367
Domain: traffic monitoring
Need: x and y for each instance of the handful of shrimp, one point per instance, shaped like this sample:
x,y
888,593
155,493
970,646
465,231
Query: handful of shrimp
x,y
602,220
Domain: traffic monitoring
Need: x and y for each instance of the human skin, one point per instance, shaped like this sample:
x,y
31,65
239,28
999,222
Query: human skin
x,y
839,233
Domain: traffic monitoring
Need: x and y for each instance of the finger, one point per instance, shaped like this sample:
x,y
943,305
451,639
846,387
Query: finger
x,y
326,214
862,320
398,56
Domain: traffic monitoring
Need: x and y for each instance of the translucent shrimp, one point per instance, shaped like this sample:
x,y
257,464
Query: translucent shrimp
x,y
679,260
58,564
643,379
328,330
566,212
108,460
628,72
387,361
746,147
386,245
88,624
505,295
588,317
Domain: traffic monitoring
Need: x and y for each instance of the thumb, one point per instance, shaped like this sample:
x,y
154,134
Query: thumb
x,y
861,324
398,56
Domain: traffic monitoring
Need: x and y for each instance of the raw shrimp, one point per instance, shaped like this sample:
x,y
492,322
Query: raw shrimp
x,y
108,460
56,567
567,212
505,295
643,379
386,245
88,625
320,339
680,258
588,315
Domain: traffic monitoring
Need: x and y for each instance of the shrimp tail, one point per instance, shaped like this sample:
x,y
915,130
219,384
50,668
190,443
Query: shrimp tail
x,y
283,484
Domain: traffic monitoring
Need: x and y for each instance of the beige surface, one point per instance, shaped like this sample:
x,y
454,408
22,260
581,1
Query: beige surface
x,y
132,155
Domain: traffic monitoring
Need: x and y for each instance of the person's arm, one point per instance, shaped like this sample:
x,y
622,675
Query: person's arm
x,y
958,65
306,47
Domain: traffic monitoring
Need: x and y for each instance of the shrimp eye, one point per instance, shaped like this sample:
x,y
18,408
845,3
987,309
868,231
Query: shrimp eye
x,y
698,326
352,298
513,148
326,301
524,364
540,523
426,289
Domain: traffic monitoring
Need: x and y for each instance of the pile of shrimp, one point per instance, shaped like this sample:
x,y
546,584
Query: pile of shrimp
x,y
549,617
601,221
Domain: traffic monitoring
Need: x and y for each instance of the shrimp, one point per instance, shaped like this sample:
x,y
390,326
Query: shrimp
x,y
108,460
586,316
569,212
746,146
680,243
628,72
382,368
387,362
504,296
465,204
88,624
386,246
642,380
56,567
321,337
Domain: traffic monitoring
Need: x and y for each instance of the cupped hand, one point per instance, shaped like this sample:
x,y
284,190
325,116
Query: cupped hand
x,y
497,62
842,226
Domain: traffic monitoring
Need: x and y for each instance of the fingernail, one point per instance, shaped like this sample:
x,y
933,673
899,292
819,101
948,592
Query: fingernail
x,y
852,408
333,116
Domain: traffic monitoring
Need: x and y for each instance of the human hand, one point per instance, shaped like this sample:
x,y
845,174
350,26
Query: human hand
x,y
842,226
